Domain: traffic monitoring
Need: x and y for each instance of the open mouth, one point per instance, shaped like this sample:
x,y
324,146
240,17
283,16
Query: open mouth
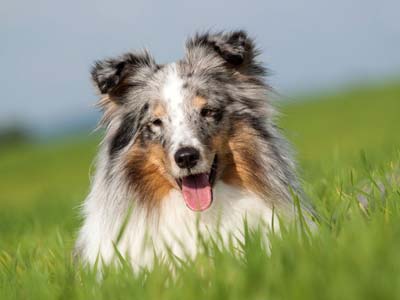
x,y
197,188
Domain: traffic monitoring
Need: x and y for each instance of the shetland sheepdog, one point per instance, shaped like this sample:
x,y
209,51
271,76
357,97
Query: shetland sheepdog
x,y
189,147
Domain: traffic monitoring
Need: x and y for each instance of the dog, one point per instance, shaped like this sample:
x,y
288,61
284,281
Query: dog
x,y
190,147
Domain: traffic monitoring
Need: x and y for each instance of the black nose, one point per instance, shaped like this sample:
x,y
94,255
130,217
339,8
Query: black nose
x,y
187,157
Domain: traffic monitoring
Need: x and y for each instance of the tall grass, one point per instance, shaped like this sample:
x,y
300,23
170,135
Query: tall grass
x,y
348,145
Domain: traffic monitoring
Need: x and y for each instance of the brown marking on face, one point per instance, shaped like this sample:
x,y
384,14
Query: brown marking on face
x,y
147,169
199,102
239,162
159,111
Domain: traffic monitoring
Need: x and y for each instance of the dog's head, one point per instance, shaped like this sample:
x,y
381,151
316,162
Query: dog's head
x,y
187,124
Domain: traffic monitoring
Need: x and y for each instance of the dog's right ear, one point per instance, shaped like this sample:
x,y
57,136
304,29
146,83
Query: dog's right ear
x,y
113,76
236,48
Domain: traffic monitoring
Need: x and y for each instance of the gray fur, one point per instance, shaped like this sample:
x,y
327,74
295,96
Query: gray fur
x,y
221,67
211,60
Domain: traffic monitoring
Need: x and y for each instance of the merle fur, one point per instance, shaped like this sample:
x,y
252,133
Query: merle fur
x,y
235,90
223,68
109,74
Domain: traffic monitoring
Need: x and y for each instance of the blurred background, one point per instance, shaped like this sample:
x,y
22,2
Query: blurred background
x,y
334,64
47,47
335,67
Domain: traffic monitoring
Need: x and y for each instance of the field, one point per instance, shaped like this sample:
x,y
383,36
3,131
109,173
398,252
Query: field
x,y
348,149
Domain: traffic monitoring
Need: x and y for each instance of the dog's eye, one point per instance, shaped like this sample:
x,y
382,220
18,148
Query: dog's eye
x,y
207,112
157,122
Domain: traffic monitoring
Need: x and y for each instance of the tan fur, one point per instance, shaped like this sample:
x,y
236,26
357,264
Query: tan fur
x,y
199,102
159,111
238,165
239,162
147,168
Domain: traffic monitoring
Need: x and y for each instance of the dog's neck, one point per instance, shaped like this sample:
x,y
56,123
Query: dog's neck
x,y
173,227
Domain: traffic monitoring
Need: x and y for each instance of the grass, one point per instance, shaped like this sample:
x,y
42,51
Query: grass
x,y
348,146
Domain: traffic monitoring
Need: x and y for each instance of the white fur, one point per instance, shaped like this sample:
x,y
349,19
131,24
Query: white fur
x,y
174,98
175,228
182,134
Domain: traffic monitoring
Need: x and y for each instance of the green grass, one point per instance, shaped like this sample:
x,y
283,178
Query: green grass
x,y
347,143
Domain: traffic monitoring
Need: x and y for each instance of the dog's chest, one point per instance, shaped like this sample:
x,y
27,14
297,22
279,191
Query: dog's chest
x,y
177,228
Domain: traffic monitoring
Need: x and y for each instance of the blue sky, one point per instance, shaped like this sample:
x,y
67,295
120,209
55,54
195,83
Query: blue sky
x,y
47,46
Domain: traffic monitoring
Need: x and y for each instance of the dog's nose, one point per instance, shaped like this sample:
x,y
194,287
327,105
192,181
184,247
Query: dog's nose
x,y
187,157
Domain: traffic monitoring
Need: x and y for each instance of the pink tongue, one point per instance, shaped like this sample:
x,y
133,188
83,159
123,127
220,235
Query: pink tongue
x,y
196,191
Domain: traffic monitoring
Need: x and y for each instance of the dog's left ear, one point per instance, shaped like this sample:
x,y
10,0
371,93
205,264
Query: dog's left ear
x,y
110,75
236,48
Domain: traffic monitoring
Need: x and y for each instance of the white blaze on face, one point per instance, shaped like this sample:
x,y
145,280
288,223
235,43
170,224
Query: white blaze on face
x,y
196,189
173,93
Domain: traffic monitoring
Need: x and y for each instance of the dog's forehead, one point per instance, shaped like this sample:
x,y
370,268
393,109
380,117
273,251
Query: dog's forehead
x,y
172,88
176,87
164,86
173,84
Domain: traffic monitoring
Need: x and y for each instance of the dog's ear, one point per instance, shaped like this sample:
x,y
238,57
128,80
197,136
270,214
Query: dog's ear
x,y
236,49
110,75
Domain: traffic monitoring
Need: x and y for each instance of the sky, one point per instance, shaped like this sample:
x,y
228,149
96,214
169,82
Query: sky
x,y
48,46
